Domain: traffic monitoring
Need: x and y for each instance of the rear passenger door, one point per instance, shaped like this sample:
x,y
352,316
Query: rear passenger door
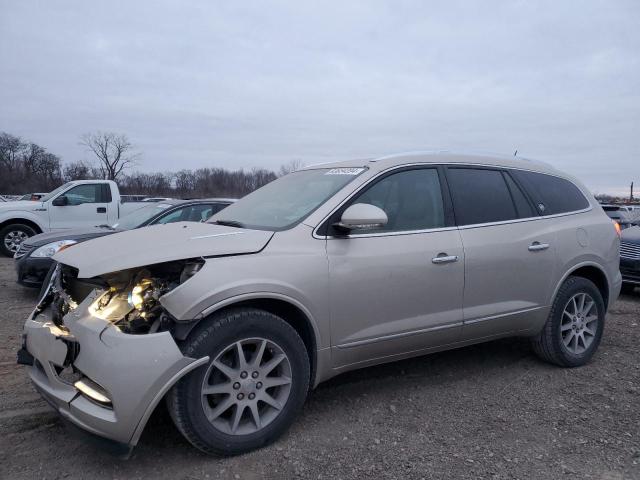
x,y
509,252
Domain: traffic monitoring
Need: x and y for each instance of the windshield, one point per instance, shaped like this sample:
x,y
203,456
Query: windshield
x,y
138,217
281,204
50,195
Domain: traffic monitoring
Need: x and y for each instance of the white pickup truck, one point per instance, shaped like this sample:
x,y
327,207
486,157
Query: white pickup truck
x,y
82,203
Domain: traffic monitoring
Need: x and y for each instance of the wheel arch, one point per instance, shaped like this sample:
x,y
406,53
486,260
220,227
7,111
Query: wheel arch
x,y
22,221
593,272
287,308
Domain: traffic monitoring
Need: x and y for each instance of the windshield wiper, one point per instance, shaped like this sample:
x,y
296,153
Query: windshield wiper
x,y
230,223
104,225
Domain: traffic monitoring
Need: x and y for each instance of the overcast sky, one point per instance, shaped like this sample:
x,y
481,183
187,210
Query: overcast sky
x,y
243,84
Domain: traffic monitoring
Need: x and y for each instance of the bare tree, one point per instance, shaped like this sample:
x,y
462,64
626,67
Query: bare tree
x,y
77,171
290,167
114,152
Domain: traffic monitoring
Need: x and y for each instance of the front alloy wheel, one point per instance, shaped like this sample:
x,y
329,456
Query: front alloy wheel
x,y
251,390
246,386
12,236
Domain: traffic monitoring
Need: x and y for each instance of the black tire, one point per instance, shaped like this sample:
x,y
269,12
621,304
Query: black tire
x,y
211,338
627,288
548,344
14,227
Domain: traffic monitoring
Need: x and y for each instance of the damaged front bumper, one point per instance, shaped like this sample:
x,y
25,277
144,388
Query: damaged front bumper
x,y
100,379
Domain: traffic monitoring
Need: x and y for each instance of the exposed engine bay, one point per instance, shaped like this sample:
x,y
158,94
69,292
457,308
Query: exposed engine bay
x,y
130,299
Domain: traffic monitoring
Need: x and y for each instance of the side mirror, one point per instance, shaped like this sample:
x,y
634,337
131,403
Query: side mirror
x,y
362,216
60,201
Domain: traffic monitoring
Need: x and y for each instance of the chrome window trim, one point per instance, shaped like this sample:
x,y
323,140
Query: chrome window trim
x,y
442,229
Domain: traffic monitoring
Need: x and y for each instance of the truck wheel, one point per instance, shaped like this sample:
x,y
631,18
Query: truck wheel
x,y
575,325
252,389
12,236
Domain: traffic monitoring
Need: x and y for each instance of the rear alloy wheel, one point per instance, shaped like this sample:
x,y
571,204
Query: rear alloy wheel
x,y
575,325
252,388
12,237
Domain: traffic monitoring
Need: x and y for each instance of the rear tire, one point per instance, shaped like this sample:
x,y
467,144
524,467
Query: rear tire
x,y
237,403
575,325
12,236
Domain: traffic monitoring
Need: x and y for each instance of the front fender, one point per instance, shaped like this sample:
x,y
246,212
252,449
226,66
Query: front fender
x,y
20,216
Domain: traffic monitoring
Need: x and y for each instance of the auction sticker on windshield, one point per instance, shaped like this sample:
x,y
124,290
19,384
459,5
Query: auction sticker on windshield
x,y
344,171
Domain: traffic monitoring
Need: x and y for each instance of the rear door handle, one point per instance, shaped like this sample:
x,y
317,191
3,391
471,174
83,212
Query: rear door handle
x,y
537,246
444,258
101,209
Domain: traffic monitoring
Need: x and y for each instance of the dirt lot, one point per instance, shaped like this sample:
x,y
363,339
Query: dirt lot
x,y
488,411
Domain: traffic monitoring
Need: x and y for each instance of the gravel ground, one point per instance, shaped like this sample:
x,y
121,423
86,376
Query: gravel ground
x,y
487,411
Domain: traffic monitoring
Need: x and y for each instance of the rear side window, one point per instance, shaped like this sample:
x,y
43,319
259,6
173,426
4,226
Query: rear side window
x,y
552,194
524,208
480,196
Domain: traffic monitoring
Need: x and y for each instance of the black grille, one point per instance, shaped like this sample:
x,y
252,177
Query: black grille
x,y
630,250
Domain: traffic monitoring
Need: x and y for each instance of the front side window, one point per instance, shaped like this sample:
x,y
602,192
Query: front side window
x,y
283,203
88,193
139,217
412,200
552,194
480,196
175,216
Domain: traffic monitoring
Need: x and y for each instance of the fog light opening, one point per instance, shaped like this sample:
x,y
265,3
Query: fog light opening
x,y
93,391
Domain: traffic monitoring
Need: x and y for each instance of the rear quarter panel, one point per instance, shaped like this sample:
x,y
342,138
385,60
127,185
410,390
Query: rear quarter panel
x,y
584,239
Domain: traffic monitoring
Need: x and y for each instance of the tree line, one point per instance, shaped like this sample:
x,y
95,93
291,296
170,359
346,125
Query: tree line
x,y
27,167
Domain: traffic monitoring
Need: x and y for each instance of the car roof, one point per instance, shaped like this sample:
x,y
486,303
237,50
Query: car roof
x,y
443,156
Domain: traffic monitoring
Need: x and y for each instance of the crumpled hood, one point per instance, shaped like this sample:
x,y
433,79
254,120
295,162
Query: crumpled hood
x,y
160,243
78,234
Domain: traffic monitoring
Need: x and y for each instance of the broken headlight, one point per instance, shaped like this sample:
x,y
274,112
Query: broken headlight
x,y
132,301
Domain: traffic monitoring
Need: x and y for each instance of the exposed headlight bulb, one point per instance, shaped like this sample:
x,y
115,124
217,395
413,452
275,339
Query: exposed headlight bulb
x,y
136,295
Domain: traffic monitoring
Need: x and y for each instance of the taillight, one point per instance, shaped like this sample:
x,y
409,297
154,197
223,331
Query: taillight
x,y
616,225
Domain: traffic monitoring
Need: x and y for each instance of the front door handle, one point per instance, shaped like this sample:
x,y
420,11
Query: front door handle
x,y
101,209
444,258
537,246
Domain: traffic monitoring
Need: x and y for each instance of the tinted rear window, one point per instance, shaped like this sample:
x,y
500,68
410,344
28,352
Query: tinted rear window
x,y
480,196
552,194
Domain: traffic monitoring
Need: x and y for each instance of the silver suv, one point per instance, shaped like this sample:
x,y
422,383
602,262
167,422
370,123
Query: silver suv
x,y
325,270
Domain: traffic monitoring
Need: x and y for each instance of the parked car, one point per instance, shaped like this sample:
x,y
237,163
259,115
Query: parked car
x,y
630,259
619,214
82,203
155,199
132,198
322,271
34,258
32,196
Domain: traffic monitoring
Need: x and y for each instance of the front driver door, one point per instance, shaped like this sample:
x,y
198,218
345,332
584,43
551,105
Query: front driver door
x,y
397,290
86,207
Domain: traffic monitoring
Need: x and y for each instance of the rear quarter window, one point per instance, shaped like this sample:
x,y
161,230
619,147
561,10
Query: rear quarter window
x,y
551,194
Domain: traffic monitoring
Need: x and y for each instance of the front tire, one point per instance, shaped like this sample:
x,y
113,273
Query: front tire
x,y
12,236
575,325
252,389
